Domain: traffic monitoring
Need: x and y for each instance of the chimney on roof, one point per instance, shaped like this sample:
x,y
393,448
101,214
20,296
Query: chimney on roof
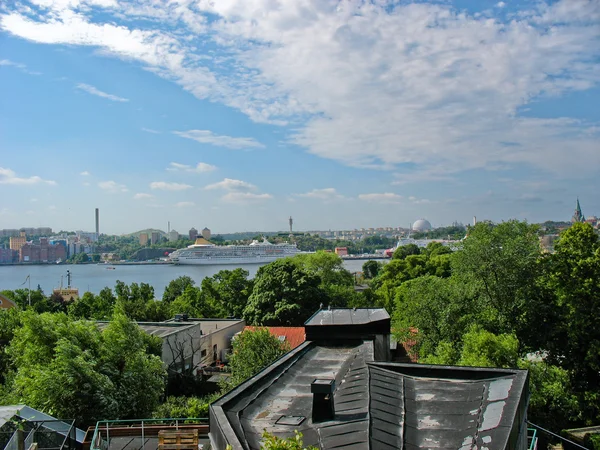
x,y
323,406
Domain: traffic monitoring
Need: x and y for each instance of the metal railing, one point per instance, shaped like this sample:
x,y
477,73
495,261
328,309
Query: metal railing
x,y
102,432
48,434
532,439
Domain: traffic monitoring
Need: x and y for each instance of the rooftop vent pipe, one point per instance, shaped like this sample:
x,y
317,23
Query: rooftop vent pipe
x,y
323,406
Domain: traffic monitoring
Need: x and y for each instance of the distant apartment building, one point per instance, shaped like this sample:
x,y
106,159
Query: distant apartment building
x,y
193,234
143,238
41,231
16,242
154,237
86,236
8,255
206,234
44,252
173,236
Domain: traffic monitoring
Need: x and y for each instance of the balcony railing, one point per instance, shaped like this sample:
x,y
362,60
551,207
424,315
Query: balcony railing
x,y
108,434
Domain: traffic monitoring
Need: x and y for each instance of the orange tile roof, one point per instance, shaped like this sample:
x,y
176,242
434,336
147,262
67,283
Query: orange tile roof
x,y
293,335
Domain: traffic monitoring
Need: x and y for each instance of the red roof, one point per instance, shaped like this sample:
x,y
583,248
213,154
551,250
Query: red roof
x,y
292,335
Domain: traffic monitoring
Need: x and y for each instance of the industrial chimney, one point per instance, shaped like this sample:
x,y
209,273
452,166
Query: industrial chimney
x,y
323,407
97,222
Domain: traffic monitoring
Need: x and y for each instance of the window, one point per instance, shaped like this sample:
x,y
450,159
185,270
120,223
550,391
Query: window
x,y
203,353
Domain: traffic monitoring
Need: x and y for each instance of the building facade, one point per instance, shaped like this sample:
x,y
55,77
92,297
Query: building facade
x,y
143,238
16,242
44,252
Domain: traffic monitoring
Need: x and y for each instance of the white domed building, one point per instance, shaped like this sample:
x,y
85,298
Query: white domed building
x,y
421,225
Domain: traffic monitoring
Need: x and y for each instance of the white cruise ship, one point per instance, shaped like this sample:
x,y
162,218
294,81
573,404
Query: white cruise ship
x,y
204,252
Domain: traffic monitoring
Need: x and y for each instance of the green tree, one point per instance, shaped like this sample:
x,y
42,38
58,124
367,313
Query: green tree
x,y
228,292
176,287
503,261
371,268
573,277
69,368
284,295
329,267
406,250
252,351
552,403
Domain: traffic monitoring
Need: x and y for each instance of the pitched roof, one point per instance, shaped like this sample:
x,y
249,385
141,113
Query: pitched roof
x,y
293,335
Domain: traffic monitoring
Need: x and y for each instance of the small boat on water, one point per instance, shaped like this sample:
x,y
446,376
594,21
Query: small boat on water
x,y
111,268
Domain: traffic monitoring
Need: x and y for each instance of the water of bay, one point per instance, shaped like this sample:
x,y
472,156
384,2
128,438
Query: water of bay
x,y
95,277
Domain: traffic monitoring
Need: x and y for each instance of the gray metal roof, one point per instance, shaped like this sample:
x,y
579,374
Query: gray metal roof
x,y
347,316
377,405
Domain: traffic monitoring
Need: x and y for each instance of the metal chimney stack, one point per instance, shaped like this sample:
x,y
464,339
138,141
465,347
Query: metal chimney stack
x,y
97,222
323,408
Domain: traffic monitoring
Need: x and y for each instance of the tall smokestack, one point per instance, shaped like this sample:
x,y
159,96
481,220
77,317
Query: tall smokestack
x,y
168,227
474,220
97,222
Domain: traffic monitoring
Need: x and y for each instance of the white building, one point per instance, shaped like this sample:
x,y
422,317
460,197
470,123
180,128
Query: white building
x,y
192,343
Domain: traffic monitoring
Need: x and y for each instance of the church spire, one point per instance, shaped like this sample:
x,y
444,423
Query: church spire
x,y
578,215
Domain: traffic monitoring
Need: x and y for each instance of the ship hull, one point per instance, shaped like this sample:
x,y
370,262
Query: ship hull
x,y
227,261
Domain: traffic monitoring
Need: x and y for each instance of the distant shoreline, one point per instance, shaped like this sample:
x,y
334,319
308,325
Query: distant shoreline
x,y
127,263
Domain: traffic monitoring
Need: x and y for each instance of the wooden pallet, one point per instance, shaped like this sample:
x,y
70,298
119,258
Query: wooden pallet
x,y
178,440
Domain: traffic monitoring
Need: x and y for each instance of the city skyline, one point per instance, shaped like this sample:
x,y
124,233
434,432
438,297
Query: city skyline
x,y
236,115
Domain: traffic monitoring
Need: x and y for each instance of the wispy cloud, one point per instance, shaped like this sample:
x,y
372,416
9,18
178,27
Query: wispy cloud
x,y
94,91
85,173
142,195
166,186
386,197
430,85
22,67
230,184
208,137
245,197
150,130
112,186
8,176
199,168
327,194
184,204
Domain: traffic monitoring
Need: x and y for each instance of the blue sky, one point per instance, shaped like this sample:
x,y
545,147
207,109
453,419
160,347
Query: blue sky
x,y
236,114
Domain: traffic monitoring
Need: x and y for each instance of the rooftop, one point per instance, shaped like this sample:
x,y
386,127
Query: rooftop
x,y
292,335
377,405
169,327
347,316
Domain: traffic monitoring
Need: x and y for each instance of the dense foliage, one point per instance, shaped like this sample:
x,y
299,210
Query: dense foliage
x,y
496,299
500,301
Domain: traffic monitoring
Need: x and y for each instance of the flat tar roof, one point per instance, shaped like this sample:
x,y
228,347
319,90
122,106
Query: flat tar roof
x,y
347,316
164,329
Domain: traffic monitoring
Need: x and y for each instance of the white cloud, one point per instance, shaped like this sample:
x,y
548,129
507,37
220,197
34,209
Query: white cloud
x,y
94,91
112,186
244,197
229,184
326,194
142,195
150,130
22,67
184,204
8,176
85,173
208,137
200,167
500,5
386,197
166,186
364,83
